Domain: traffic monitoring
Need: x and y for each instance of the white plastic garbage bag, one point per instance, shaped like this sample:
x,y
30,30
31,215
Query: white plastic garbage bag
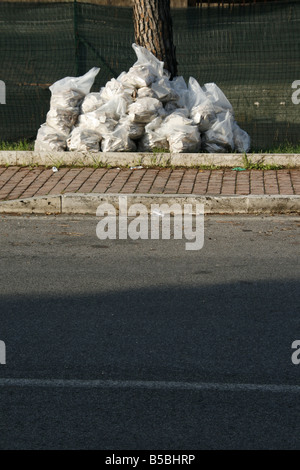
x,y
204,115
196,95
170,107
183,138
185,141
145,110
178,117
115,108
66,97
49,139
135,130
145,57
181,89
96,121
217,98
115,88
202,109
83,140
138,76
219,139
242,141
206,103
127,87
145,71
117,141
81,85
91,102
154,137
164,90
68,93
62,119
145,92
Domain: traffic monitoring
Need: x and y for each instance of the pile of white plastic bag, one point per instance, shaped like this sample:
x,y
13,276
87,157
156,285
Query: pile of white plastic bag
x,y
141,110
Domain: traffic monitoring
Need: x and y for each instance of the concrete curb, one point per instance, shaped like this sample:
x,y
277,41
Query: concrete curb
x,y
118,159
87,204
32,205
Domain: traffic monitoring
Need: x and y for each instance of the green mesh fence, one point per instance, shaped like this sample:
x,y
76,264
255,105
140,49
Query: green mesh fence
x,y
251,51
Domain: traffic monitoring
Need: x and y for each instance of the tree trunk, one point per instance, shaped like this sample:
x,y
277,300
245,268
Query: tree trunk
x,y
154,31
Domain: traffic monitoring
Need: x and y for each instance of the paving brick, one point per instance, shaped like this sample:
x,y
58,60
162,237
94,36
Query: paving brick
x,y
270,182
285,182
92,180
256,182
7,174
78,180
120,181
18,182
15,178
51,182
106,180
215,182
24,184
229,182
174,182
37,184
202,181
295,177
160,182
146,181
188,181
242,183
68,177
132,182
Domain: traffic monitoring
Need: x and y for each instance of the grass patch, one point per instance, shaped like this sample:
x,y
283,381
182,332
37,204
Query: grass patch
x,y
285,147
20,145
156,150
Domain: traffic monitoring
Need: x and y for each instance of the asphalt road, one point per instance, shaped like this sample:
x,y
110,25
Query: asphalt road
x,y
122,344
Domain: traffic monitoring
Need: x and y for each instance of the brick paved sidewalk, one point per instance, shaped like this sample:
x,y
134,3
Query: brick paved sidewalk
x,y
16,182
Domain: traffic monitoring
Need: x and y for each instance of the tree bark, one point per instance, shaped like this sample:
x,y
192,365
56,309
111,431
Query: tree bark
x,y
154,30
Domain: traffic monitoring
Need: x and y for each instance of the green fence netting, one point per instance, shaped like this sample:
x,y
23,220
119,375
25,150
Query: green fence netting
x,y
251,51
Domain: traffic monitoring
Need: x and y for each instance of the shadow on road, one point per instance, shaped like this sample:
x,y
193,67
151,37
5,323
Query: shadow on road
x,y
231,333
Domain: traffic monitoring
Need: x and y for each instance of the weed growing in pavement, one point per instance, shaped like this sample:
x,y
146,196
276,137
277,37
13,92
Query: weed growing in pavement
x,y
249,165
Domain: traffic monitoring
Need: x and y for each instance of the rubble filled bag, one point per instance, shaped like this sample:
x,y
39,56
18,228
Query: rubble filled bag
x,y
183,136
135,130
241,139
67,95
219,138
145,70
217,98
143,110
48,139
83,140
154,138
164,91
118,141
62,119
91,102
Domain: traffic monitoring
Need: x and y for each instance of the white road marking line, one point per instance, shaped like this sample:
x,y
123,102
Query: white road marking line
x,y
149,384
